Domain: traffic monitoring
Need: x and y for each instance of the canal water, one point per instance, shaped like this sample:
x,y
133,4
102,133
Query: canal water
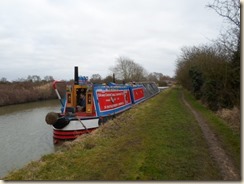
x,y
24,134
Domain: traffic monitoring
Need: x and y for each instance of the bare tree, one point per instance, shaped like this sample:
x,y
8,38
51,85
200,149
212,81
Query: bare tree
x,y
126,69
108,79
230,11
33,78
96,78
230,40
48,78
3,80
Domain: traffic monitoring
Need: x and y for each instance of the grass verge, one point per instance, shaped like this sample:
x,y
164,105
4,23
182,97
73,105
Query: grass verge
x,y
156,140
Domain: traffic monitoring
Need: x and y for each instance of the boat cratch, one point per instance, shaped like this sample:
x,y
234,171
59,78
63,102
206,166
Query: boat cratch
x,y
102,101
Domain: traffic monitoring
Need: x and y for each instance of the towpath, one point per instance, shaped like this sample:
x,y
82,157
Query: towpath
x,y
222,160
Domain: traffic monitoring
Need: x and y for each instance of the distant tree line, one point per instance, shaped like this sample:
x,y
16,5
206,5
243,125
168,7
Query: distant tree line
x,y
34,88
127,70
30,78
212,72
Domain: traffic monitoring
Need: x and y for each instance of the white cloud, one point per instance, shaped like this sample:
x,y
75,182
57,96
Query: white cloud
x,y
50,37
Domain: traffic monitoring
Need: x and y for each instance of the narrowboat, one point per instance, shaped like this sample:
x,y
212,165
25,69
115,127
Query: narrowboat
x,y
100,102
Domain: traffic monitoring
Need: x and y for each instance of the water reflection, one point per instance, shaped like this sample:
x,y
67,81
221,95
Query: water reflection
x,y
24,135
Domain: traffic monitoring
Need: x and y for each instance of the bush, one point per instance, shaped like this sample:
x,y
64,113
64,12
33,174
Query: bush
x,y
21,92
208,74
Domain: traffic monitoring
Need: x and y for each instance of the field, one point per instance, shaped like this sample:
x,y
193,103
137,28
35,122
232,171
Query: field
x,y
159,139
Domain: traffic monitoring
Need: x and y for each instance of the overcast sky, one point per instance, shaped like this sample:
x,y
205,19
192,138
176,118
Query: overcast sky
x,y
50,37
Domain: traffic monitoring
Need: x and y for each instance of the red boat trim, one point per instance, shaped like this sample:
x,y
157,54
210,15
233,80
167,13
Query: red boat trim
x,y
65,135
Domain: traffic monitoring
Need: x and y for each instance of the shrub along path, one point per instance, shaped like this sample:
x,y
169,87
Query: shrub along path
x,y
223,161
159,139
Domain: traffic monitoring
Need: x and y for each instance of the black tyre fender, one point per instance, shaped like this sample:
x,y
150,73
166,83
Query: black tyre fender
x,y
61,123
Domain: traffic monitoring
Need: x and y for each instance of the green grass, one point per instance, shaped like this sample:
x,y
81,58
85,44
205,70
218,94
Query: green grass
x,y
229,138
156,140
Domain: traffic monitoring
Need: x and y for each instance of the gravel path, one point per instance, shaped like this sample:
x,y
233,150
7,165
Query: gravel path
x,y
223,161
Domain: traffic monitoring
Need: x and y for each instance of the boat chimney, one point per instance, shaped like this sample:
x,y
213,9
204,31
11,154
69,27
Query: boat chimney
x,y
113,78
76,76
